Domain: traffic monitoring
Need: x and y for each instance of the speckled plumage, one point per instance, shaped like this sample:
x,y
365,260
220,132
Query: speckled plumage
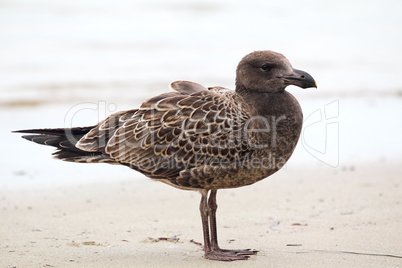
x,y
198,138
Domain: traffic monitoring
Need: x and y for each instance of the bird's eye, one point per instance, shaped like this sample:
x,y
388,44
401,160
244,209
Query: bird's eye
x,y
266,67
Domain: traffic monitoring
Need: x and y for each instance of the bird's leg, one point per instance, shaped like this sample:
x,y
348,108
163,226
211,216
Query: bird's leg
x,y
211,248
212,217
214,236
208,252
204,219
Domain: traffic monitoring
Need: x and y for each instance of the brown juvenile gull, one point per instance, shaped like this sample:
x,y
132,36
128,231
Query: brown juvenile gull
x,y
198,138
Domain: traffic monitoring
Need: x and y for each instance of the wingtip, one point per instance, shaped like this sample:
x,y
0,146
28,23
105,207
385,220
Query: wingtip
x,y
32,131
18,131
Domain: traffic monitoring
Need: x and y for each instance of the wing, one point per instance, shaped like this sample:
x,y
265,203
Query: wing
x,y
173,133
186,87
97,138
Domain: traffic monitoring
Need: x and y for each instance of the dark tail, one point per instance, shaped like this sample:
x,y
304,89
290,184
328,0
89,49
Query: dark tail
x,y
64,139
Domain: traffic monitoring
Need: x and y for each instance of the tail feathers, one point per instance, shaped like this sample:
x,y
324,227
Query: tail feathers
x,y
64,140
43,139
58,137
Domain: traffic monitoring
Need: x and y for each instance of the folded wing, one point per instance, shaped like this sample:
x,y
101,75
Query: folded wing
x,y
173,132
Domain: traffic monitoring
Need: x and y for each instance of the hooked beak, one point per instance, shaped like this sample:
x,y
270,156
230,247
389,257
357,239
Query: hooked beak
x,y
299,78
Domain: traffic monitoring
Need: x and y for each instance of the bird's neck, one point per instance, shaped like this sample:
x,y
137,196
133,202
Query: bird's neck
x,y
271,103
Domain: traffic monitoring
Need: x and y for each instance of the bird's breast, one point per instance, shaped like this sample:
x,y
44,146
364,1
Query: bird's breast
x,y
273,131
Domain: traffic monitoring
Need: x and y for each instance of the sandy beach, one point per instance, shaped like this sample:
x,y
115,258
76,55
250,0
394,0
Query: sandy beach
x,y
321,217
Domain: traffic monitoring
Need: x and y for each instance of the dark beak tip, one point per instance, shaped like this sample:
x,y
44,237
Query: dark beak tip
x,y
306,80
301,79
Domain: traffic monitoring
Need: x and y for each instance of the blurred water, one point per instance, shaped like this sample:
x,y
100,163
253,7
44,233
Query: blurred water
x,y
72,50
58,54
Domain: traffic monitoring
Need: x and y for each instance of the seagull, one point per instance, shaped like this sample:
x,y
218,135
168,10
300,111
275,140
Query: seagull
x,y
198,138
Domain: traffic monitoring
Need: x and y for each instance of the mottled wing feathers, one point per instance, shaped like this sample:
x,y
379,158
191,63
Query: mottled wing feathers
x,y
97,138
173,132
187,138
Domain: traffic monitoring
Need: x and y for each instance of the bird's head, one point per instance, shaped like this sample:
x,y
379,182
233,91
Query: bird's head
x,y
268,71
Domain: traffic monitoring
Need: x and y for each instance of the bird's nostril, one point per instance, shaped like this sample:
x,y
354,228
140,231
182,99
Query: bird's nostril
x,y
302,76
